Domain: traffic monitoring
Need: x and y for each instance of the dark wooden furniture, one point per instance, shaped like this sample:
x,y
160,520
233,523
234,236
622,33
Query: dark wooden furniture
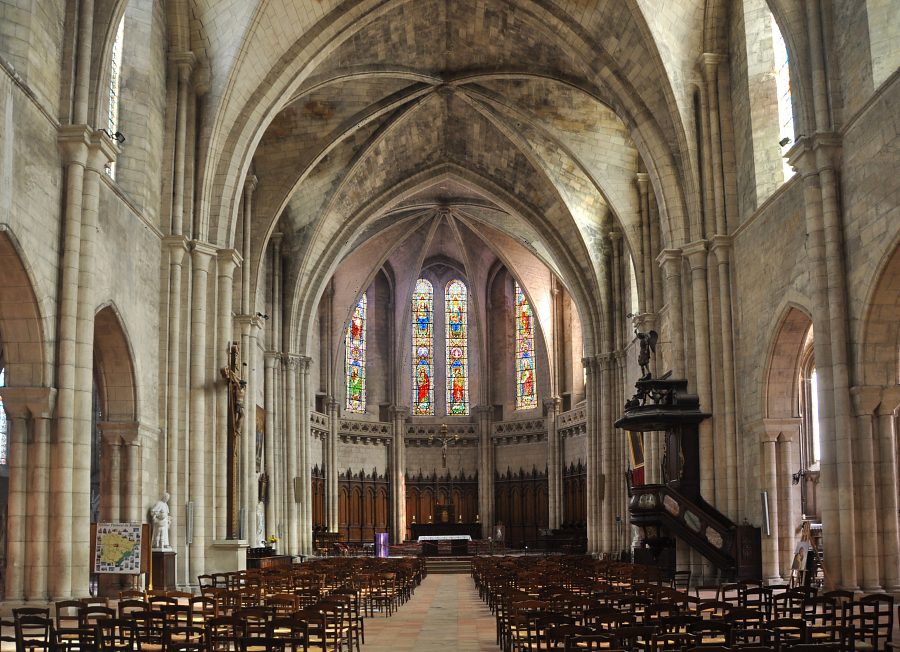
x,y
438,529
164,570
275,561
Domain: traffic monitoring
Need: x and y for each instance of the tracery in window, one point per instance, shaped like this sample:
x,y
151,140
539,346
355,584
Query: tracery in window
x,y
355,346
783,90
456,308
526,395
115,72
423,348
4,424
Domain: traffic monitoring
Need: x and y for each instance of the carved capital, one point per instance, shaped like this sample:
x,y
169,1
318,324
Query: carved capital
x,y
696,254
250,184
29,402
670,262
643,181
227,260
74,143
866,399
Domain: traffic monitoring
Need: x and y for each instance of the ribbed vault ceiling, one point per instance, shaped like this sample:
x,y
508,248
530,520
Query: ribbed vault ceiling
x,y
528,118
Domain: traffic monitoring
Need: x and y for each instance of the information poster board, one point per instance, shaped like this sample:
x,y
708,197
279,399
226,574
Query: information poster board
x,y
119,548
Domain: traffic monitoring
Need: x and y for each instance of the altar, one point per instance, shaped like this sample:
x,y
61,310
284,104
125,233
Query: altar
x,y
457,544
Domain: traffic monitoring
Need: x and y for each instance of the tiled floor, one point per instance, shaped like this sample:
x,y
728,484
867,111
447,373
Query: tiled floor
x,y
444,615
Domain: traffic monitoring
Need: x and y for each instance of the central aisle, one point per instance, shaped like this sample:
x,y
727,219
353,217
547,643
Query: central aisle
x,y
443,615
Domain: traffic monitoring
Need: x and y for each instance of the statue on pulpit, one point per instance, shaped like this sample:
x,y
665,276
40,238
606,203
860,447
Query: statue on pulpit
x,y
648,345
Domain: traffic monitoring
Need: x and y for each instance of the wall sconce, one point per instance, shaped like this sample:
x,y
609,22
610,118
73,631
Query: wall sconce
x,y
799,475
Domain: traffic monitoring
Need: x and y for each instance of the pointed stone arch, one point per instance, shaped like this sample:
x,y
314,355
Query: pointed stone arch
x,y
114,367
21,326
781,382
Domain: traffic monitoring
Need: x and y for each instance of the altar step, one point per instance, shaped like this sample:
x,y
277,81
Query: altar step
x,y
448,565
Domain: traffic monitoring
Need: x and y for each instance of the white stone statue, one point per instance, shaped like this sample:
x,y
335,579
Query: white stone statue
x,y
159,515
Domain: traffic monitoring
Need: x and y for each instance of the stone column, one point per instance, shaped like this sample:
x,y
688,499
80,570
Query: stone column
x,y
887,471
197,449
554,465
226,261
835,505
304,393
786,491
184,61
293,522
102,151
111,490
74,143
484,415
769,483
670,261
646,274
398,473
177,246
41,409
710,67
132,489
594,478
269,470
865,404
721,247
17,526
696,254
331,466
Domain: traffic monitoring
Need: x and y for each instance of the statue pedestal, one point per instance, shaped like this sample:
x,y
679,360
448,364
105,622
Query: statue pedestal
x,y
163,573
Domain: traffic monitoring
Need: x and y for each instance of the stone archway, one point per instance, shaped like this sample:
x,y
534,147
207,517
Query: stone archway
x,y
28,405
781,442
116,422
877,408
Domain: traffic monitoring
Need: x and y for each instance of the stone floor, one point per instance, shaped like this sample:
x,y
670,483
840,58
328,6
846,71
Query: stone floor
x,y
444,615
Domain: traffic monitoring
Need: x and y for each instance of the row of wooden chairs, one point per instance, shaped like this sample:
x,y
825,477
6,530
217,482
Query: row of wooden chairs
x,y
532,600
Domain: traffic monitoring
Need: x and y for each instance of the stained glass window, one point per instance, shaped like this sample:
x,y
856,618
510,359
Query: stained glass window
x,y
4,424
356,358
423,348
526,394
456,307
115,74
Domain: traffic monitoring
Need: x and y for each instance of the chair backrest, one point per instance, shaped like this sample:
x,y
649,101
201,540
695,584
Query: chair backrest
x,y
19,612
90,614
35,632
131,605
116,634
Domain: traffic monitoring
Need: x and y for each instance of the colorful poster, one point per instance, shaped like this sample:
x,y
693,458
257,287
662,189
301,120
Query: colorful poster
x,y
118,548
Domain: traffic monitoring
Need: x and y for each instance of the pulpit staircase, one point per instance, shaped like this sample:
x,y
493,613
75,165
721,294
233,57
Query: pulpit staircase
x,y
676,506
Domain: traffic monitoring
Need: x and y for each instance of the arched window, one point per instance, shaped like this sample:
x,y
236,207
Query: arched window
x,y
783,90
4,424
423,348
456,308
115,72
356,358
810,447
526,394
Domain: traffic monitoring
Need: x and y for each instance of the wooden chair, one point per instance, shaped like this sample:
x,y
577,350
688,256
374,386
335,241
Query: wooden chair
x,y
116,635
788,631
293,631
34,632
68,621
880,609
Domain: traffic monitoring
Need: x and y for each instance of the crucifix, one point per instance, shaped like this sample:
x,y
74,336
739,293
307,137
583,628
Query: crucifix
x,y
237,387
444,439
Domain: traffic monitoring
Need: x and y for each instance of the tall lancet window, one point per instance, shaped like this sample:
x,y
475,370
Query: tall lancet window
x,y
783,90
356,358
4,424
526,394
423,348
456,306
115,73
